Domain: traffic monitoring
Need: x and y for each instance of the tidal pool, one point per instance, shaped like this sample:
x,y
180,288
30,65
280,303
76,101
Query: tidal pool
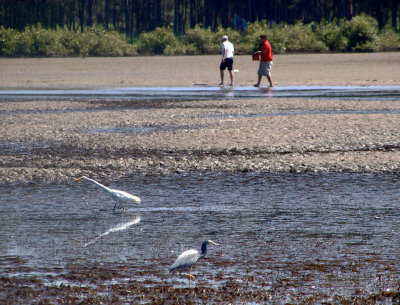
x,y
286,237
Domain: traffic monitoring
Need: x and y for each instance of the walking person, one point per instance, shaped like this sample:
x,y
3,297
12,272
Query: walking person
x,y
266,60
228,52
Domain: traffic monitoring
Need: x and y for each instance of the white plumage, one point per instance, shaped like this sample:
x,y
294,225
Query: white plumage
x,y
187,259
120,197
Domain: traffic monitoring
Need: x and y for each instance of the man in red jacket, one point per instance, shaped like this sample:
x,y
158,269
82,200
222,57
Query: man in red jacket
x,y
266,60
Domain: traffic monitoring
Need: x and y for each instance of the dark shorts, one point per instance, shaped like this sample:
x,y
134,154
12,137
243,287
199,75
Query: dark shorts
x,y
228,63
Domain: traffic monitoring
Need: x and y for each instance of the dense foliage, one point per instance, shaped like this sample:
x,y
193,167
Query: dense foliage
x,y
361,33
132,17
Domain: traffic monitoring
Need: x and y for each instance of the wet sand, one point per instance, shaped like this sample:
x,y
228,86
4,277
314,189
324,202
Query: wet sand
x,y
57,141
298,69
114,139
99,287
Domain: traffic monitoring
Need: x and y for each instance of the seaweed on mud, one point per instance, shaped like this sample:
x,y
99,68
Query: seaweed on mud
x,y
102,283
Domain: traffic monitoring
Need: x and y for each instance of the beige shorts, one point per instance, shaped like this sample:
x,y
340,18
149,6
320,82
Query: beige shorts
x,y
264,68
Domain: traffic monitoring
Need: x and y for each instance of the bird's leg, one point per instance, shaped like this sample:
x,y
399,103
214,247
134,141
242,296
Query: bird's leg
x,y
115,206
190,276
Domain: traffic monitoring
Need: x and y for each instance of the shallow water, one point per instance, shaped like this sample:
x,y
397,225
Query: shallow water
x,y
325,233
205,92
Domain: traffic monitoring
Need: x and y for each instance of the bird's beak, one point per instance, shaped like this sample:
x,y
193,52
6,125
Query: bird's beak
x,y
77,179
213,242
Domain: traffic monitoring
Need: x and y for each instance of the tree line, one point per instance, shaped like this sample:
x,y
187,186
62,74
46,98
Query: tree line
x,y
132,17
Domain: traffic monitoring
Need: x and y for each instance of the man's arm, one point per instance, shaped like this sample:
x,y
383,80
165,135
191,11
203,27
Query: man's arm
x,y
263,51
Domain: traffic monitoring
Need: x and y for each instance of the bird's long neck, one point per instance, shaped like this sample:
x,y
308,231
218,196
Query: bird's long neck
x,y
203,249
98,184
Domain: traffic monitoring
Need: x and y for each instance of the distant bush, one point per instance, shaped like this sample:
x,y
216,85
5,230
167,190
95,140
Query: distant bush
x,y
388,40
37,41
15,43
96,42
71,42
283,37
159,41
330,34
278,38
44,42
203,40
360,34
297,38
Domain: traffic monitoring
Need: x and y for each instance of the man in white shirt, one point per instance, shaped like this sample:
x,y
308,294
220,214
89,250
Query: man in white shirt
x,y
227,59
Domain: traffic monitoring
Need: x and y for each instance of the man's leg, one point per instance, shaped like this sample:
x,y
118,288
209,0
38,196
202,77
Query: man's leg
x,y
259,81
270,81
222,77
231,75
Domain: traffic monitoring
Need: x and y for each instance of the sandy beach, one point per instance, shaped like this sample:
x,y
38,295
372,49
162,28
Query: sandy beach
x,y
57,140
295,69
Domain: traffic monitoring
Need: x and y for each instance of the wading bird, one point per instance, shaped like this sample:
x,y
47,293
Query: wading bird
x,y
120,197
188,258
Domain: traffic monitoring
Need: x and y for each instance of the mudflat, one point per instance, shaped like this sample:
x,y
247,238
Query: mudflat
x,y
114,139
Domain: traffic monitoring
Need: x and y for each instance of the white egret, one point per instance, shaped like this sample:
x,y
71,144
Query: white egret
x,y
119,196
188,258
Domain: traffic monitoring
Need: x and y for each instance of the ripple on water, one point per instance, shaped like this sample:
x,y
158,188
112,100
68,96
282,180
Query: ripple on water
x,y
210,93
283,235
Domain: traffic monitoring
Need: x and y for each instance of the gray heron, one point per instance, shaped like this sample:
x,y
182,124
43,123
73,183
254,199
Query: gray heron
x,y
119,196
188,258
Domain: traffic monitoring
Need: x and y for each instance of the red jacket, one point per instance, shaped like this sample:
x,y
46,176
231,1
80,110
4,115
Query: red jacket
x,y
267,56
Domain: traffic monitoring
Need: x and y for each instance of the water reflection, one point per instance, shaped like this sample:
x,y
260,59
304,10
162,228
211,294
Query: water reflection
x,y
210,93
337,230
120,227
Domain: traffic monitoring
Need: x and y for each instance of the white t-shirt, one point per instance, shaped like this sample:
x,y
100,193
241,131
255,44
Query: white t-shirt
x,y
228,46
